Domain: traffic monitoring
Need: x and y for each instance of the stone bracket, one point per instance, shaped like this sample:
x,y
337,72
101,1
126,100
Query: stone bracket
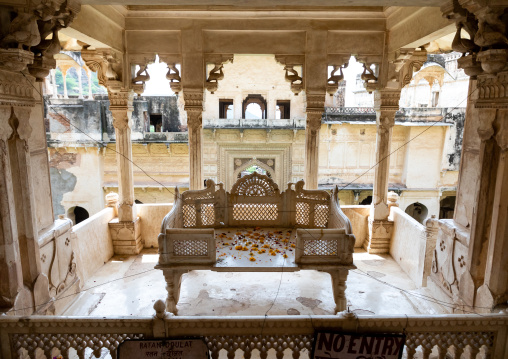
x,y
339,62
173,74
292,75
216,74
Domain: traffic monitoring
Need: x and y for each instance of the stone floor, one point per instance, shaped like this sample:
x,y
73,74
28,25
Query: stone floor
x,y
129,286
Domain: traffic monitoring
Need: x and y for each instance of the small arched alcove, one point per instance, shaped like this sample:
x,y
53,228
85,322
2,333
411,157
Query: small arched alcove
x,y
77,214
366,201
254,107
418,211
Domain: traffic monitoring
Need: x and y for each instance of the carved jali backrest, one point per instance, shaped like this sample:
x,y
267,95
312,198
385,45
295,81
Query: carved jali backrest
x,y
255,199
204,208
337,218
312,207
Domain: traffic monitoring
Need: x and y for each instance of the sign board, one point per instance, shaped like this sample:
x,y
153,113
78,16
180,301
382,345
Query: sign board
x,y
163,349
328,345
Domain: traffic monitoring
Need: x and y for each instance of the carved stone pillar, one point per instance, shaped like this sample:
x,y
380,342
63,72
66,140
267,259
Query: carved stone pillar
x,y
125,230
22,284
491,230
89,75
194,107
483,182
386,103
53,83
80,83
64,76
315,109
431,231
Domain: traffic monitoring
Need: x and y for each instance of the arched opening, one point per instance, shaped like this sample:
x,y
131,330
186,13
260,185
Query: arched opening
x,y
254,107
366,201
77,214
418,211
447,207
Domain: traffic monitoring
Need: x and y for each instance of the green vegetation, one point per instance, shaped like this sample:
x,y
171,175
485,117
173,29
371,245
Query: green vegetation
x,y
73,83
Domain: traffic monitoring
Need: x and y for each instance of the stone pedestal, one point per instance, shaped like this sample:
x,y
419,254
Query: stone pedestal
x,y
380,233
126,236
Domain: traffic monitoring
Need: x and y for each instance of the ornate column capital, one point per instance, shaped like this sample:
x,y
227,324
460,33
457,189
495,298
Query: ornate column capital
x,y
386,100
25,45
194,99
120,105
315,108
386,104
485,51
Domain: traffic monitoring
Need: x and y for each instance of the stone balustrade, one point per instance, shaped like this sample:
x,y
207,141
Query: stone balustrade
x,y
217,123
408,114
471,336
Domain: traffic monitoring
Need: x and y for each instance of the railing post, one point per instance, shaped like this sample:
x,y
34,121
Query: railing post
x,y
431,230
159,322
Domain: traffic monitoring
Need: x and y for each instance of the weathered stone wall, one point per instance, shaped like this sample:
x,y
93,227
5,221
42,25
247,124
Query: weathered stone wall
x,y
76,179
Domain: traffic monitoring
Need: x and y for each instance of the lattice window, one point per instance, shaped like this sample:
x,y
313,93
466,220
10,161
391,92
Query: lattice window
x,y
321,215
255,212
188,248
319,247
302,213
207,214
189,215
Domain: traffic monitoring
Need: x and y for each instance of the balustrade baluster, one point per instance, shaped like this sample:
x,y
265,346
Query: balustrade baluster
x,y
426,352
410,352
473,352
441,351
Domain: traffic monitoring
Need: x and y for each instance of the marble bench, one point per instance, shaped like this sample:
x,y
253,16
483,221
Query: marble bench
x,y
256,228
